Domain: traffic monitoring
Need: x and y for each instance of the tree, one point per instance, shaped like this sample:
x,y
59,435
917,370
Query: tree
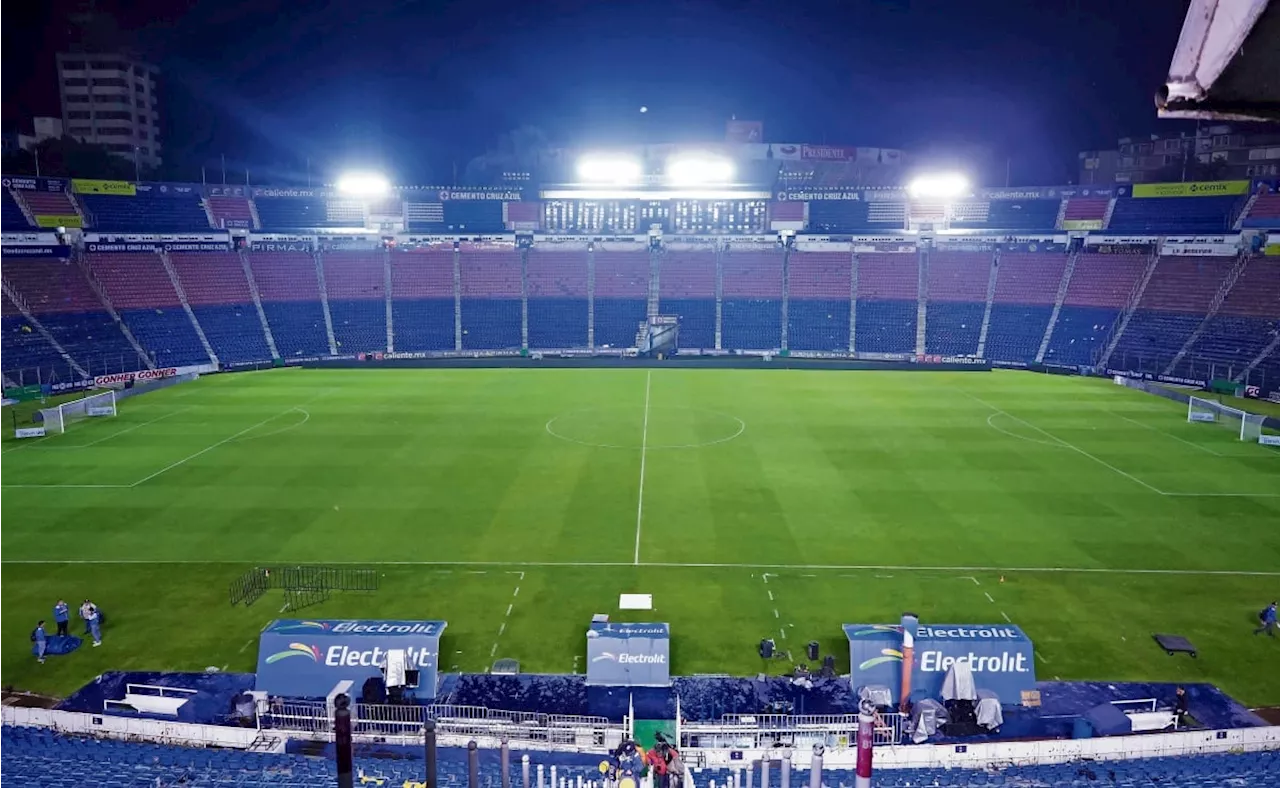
x,y
67,157
522,149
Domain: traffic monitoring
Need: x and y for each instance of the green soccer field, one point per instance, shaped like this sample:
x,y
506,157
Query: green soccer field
x,y
516,503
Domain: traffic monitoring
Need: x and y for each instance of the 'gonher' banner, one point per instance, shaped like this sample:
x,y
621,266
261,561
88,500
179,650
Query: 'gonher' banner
x,y
84,186
1001,656
305,659
629,655
1193,189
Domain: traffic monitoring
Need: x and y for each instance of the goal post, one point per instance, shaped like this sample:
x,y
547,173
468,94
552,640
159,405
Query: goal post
x,y
56,420
1248,426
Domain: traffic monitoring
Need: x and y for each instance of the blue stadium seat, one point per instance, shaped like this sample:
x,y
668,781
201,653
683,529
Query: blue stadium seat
x,y
1080,335
297,327
359,325
617,320
952,328
751,323
1182,215
234,331
697,320
25,350
818,324
490,324
12,217
167,334
94,340
1152,339
423,324
886,326
1015,332
1015,215
557,322
145,212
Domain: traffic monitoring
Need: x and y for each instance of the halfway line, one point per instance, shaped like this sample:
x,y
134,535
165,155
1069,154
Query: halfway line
x,y
644,446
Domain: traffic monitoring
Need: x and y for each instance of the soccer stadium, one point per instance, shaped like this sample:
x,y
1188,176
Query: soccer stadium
x,y
682,464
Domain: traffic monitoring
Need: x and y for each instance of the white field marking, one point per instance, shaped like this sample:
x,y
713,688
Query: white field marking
x,y
493,650
517,591
1016,435
284,607
742,427
211,447
1065,443
880,577
1042,658
513,604
118,433
784,633
644,448
502,629
767,575
775,613
1006,616
816,575
246,645
306,417
1221,495
1166,434
770,593
988,596
477,572
671,565
517,573
67,486
970,577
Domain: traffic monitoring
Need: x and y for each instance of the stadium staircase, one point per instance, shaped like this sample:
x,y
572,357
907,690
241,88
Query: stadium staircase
x,y
1221,295
1062,213
253,213
457,298
1135,298
22,208
324,304
719,297
208,212
524,299
37,204
853,301
30,317
1272,348
186,306
986,312
922,300
785,308
257,303
1111,209
591,297
1057,305
1244,212
386,289
101,292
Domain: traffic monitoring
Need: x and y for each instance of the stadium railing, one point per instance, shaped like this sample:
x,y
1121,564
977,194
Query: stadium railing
x,y
752,731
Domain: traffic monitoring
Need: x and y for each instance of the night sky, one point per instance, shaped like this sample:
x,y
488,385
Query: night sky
x,y
419,87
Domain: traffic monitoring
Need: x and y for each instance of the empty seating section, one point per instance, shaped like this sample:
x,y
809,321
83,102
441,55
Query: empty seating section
x,y
230,212
1173,304
219,295
888,287
1006,215
621,296
1085,209
474,216
857,215
687,288
12,217
48,204
143,295
1265,212
145,212
422,302
290,295
1179,215
1244,324
60,297
1026,287
28,356
356,286
818,301
491,292
957,291
299,213
557,286
751,303
1100,288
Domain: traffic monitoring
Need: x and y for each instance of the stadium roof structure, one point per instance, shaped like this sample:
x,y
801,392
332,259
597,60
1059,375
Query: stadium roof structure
x,y
1227,63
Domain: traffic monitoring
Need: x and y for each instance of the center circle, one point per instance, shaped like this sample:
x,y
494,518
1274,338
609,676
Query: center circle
x,y
660,427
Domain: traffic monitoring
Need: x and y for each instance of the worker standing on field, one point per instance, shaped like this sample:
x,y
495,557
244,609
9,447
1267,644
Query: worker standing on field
x,y
1268,618
41,640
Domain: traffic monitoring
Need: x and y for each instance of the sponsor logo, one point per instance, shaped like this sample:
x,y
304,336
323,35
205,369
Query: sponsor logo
x,y
878,629
965,633
143,374
345,656
305,625
624,658
295,650
935,661
887,655
505,196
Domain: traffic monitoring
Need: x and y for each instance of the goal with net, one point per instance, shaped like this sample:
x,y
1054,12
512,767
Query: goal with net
x,y
56,420
1247,425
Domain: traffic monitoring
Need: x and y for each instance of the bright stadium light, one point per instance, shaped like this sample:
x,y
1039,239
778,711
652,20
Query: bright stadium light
x,y
699,170
939,186
363,184
617,170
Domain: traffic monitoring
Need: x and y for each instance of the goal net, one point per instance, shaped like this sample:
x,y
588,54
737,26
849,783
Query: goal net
x,y
1246,425
56,420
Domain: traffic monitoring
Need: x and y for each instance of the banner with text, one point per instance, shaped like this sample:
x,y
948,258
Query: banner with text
x,y
35,184
86,186
305,659
629,655
1192,189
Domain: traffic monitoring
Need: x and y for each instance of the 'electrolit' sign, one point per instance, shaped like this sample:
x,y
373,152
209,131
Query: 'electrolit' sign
x,y
628,655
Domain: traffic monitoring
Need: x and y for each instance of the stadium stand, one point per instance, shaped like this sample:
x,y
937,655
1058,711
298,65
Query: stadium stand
x,y
1181,215
1005,214
1174,302
557,287
299,213
1026,288
290,294
356,286
60,297
687,288
50,209
621,296
489,278
29,349
957,283
422,304
12,217
1090,210
1247,320
230,212
144,297
1265,212
888,288
145,211
219,296
818,301
752,299
1100,288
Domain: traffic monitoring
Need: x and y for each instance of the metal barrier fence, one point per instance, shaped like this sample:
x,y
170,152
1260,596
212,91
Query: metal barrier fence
x,y
302,585
759,731
379,719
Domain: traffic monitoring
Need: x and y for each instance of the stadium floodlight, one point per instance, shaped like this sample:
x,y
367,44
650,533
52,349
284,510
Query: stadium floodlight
x,y
363,184
943,186
617,170
699,170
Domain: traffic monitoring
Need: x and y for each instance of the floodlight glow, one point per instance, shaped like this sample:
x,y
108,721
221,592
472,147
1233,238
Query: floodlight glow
x,y
363,184
941,186
617,170
699,170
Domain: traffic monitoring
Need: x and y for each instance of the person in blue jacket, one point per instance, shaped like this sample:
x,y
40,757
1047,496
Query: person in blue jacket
x,y
41,640
62,615
1268,618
